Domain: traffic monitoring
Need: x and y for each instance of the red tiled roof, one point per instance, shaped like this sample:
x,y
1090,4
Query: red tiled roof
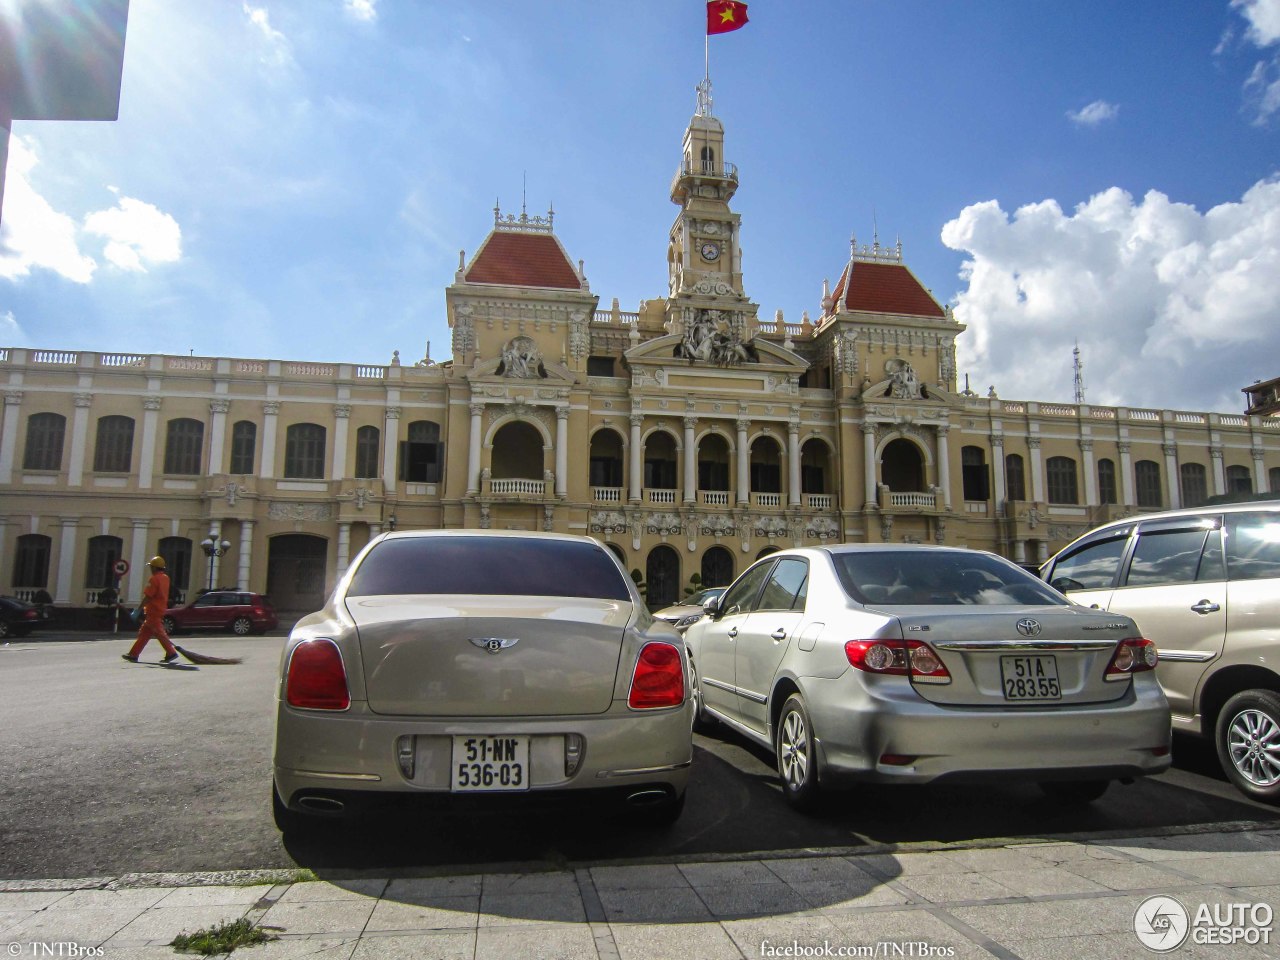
x,y
523,260
885,288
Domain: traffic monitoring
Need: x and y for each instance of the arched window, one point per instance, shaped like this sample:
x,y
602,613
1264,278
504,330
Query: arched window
x,y
1194,483
1107,481
422,454
604,464
1060,472
31,564
184,443
1146,475
113,451
103,554
367,443
973,470
717,567
708,160
660,462
304,451
902,467
177,557
1239,480
1015,477
1273,479
44,441
244,443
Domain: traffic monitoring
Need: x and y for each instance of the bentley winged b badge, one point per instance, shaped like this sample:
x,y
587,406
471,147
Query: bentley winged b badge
x,y
494,644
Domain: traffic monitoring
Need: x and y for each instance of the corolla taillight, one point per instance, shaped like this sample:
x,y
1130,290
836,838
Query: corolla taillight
x,y
658,680
905,658
1134,655
317,678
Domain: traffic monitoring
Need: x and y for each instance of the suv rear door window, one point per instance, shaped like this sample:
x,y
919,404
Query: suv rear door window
x,y
1253,546
1171,556
507,566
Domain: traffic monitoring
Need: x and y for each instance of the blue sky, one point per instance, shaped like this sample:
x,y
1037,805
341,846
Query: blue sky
x,y
295,178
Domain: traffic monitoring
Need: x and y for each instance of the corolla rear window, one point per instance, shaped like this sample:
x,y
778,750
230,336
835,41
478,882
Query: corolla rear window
x,y
488,565
949,577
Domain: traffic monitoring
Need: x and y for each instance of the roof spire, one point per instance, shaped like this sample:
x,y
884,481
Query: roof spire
x,y
524,190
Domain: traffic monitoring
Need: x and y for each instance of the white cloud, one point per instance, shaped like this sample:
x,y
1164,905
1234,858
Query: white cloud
x,y
34,234
1094,114
276,50
137,234
1167,303
1264,20
366,10
11,333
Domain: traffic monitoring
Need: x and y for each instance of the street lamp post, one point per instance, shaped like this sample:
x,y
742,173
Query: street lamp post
x,y
213,549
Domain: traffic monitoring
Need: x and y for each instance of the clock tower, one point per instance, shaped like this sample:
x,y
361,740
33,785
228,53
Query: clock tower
x,y
704,258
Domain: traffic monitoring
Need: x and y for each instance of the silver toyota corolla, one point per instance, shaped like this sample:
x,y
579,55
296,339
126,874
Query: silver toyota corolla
x,y
913,664
478,662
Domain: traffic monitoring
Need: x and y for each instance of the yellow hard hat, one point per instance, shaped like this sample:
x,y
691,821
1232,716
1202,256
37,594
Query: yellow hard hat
x,y
157,562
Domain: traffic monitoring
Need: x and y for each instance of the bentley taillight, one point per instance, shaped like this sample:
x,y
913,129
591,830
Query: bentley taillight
x,y
317,678
658,680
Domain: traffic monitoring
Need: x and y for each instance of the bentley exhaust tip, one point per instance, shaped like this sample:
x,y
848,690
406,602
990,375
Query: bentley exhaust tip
x,y
648,798
322,805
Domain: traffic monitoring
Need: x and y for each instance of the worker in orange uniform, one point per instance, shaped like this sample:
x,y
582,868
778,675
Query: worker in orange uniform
x,y
155,601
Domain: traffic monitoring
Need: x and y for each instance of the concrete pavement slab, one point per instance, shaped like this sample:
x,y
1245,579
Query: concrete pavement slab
x,y
330,917
672,905
440,913
438,946
674,941
539,942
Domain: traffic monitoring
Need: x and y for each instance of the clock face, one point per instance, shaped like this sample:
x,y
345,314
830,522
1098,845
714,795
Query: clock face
x,y
710,251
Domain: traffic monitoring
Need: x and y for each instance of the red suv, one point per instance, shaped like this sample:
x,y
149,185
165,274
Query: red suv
x,y
241,613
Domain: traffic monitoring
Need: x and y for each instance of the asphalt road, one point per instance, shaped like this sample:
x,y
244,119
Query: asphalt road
x,y
111,768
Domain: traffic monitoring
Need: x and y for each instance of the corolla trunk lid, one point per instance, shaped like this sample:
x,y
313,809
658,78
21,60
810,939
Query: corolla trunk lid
x,y
489,656
1019,656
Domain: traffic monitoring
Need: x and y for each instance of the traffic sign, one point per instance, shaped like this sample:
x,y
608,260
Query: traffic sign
x,y
121,567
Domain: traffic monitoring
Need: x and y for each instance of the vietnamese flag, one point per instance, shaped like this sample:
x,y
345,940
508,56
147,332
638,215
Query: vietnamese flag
x,y
725,15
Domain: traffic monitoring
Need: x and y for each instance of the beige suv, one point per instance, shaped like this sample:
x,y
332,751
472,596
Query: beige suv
x,y
1204,585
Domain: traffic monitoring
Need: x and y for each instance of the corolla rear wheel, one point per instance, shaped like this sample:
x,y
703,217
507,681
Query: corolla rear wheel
x,y
1074,791
797,759
169,626
241,626
1248,740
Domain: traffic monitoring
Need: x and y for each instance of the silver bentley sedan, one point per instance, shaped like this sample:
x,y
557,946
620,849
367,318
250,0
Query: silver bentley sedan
x,y
477,662
914,664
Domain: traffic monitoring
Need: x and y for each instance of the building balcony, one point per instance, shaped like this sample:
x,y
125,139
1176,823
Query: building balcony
x,y
714,498
819,501
909,501
608,494
515,488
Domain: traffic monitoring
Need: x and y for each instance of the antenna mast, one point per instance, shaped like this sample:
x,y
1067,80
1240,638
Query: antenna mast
x,y
1078,370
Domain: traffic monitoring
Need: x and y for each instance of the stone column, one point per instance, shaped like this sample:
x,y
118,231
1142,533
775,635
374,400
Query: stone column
x,y
9,434
793,463
147,458
79,430
869,465
270,414
1126,473
473,449
562,451
690,461
944,465
217,433
1219,472
138,557
1260,481
246,554
344,547
390,447
1037,470
637,464
66,560
341,427
1019,551
997,468
744,462
1090,473
1171,474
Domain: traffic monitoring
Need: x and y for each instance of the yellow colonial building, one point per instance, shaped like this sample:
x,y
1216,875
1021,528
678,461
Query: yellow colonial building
x,y
691,436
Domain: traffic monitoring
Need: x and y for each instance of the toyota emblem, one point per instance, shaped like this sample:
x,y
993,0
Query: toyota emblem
x,y
1028,627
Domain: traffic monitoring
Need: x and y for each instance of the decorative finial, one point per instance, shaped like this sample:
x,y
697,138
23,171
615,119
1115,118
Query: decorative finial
x,y
704,98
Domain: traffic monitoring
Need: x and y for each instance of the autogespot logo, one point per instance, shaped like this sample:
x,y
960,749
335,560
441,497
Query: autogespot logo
x,y
1161,923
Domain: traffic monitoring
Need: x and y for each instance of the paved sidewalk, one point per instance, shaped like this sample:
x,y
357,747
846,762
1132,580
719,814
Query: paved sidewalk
x,y
1030,900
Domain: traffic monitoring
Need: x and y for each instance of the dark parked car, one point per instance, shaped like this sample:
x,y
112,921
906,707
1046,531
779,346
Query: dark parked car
x,y
18,618
240,612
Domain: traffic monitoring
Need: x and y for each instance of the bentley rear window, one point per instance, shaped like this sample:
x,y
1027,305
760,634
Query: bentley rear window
x,y
509,566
